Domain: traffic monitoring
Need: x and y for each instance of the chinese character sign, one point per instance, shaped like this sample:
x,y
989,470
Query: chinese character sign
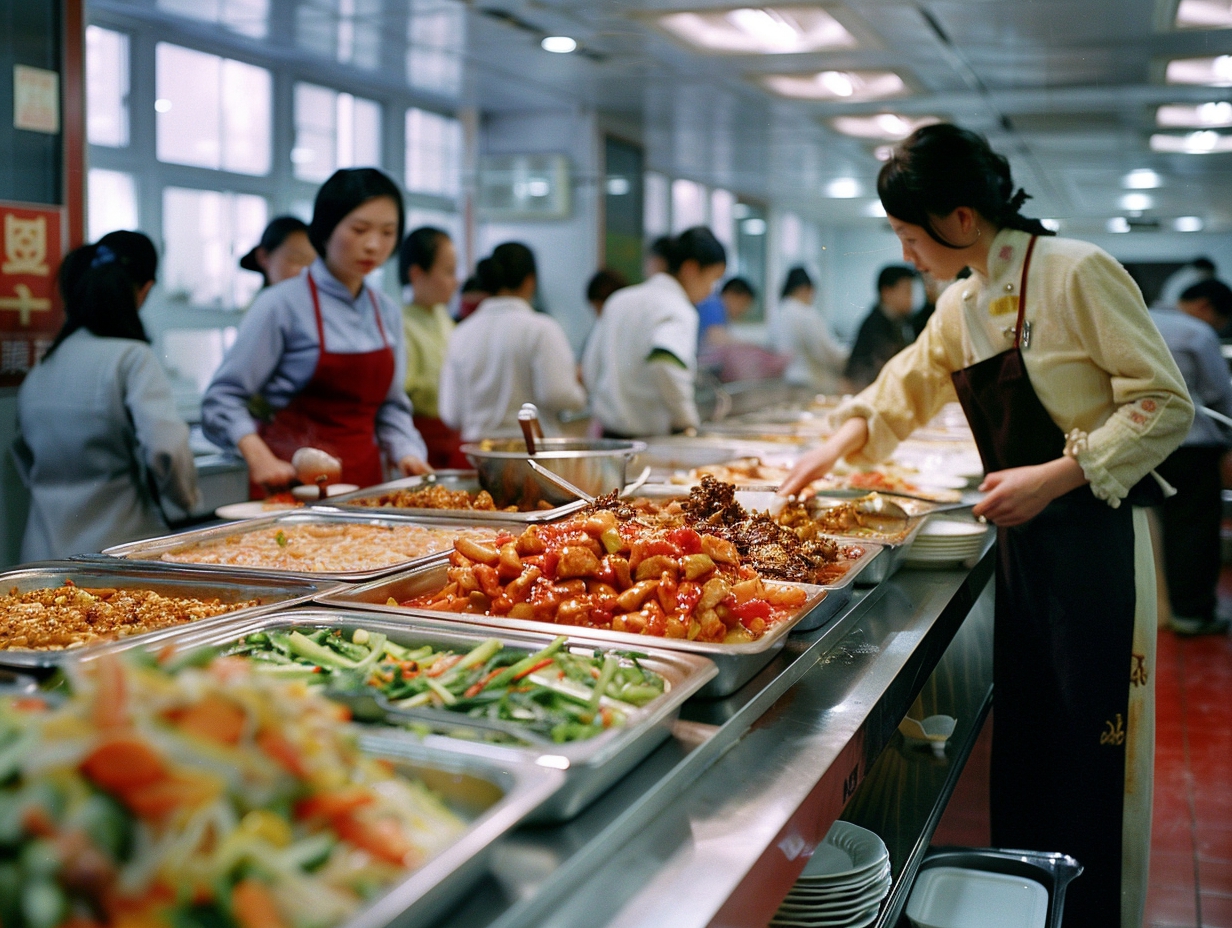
x,y
31,246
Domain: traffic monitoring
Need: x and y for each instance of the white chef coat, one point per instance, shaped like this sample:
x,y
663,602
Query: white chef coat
x,y
630,394
817,358
503,355
97,424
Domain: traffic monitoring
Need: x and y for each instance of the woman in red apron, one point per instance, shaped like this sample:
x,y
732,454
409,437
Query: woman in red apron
x,y
1073,398
319,359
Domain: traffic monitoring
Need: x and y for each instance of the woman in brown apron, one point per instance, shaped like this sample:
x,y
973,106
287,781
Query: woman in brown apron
x,y
1073,398
319,359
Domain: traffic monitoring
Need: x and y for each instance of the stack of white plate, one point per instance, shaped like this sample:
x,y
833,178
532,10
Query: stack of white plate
x,y
843,883
946,542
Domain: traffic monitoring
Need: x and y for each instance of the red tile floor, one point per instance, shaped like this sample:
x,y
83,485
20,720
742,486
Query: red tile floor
x,y
1191,831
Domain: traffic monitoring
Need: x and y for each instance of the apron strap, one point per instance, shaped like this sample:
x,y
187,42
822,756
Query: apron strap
x,y
316,308
1022,290
376,310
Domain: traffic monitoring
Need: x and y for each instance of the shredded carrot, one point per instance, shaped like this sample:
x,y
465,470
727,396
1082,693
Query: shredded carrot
x,y
253,906
478,687
444,664
534,667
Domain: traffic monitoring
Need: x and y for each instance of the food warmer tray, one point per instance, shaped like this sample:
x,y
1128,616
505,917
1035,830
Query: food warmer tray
x,y
275,593
839,593
893,556
467,480
590,766
737,663
151,550
495,795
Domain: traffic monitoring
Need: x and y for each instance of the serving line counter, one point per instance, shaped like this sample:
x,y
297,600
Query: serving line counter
x,y
714,827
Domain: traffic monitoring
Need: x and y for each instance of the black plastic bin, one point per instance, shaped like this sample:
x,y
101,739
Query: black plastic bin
x,y
1053,871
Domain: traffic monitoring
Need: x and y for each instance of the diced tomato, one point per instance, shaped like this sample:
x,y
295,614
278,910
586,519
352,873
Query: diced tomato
x,y
687,595
124,763
214,718
253,906
331,804
687,540
551,560
283,751
382,837
751,611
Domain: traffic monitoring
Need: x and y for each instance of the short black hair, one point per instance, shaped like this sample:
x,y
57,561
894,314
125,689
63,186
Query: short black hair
x,y
696,244
419,250
661,247
739,287
893,274
1204,264
603,284
797,277
280,228
507,267
348,189
1215,292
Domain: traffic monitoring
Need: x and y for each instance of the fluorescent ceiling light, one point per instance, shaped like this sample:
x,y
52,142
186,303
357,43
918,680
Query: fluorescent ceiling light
x,y
754,226
162,105
1118,224
883,126
1213,72
764,31
618,186
1052,225
848,86
875,209
1204,142
1199,116
1141,179
558,44
1204,14
1188,223
1137,202
843,188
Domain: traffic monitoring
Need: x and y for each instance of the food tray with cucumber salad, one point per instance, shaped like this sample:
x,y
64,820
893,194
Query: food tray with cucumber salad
x,y
578,707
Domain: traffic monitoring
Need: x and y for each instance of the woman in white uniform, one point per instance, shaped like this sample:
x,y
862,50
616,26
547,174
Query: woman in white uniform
x,y
640,364
99,438
1073,398
799,330
505,354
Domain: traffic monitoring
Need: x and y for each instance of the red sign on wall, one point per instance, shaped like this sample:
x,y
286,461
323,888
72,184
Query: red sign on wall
x,y
31,248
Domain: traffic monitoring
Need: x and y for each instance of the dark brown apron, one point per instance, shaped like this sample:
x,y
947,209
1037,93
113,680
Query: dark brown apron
x,y
1061,649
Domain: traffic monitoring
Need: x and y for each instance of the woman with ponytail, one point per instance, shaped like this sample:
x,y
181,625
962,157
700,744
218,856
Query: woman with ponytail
x,y
99,438
1073,399
506,354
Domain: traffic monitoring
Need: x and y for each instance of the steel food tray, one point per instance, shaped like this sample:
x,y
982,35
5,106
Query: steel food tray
x,y
230,586
893,556
151,550
839,593
467,480
590,766
494,795
736,663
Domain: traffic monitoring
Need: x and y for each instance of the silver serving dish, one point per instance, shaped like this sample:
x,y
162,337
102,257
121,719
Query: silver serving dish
x,y
467,480
495,796
893,556
151,550
737,663
590,766
839,593
235,585
596,466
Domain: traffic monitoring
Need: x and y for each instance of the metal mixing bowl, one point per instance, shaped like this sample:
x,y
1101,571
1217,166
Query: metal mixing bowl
x,y
597,466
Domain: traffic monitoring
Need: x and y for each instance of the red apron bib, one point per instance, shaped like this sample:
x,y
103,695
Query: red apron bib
x,y
336,410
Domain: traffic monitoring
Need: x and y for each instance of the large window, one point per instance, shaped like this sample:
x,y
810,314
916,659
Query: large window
x,y
333,130
212,112
204,234
688,205
348,31
112,202
436,39
247,17
106,87
433,153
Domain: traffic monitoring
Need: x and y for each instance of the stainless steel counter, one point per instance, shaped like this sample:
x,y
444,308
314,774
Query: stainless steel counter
x,y
713,828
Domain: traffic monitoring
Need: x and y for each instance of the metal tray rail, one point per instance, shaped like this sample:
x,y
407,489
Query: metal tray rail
x,y
150,551
591,766
495,796
467,480
839,594
737,663
231,586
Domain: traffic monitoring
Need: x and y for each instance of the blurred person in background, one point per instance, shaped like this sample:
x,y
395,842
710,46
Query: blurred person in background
x,y
319,360
99,440
1210,301
601,286
933,288
658,256
719,310
800,331
886,330
506,354
1180,280
428,270
471,296
640,364
284,251
1190,520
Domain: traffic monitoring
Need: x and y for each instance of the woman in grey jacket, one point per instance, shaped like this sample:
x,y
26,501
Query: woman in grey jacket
x,y
99,439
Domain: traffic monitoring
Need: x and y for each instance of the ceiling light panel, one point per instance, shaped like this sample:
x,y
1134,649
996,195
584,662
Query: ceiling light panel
x,y
1188,223
843,86
1204,14
1141,179
1204,142
760,31
1200,116
1212,72
887,127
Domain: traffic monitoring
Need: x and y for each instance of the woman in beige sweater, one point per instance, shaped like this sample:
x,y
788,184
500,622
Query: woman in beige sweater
x,y
1073,399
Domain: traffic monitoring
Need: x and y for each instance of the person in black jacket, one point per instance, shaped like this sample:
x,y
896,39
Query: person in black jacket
x,y
886,330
